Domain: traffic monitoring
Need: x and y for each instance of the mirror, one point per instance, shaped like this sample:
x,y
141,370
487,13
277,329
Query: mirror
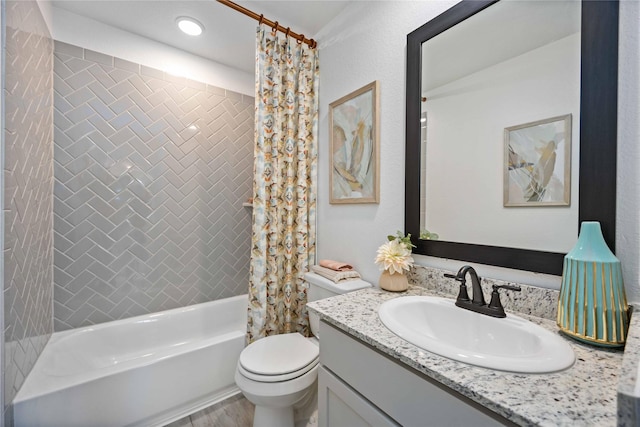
x,y
531,72
559,56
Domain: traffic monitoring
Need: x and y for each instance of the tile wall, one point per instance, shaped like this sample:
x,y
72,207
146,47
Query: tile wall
x,y
28,182
150,174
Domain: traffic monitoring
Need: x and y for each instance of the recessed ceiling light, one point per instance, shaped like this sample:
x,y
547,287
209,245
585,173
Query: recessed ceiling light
x,y
189,26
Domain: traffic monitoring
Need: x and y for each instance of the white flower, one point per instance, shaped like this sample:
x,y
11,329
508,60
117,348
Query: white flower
x,y
394,257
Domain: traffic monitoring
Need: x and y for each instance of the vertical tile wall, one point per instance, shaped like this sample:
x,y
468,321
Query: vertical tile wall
x,y
28,182
150,174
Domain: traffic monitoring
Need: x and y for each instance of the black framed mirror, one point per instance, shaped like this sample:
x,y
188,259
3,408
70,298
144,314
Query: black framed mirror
x,y
597,135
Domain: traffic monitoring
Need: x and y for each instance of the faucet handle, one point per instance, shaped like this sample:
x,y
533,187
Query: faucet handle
x,y
463,295
508,287
495,303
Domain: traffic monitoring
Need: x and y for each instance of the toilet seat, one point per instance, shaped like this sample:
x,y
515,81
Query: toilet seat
x,y
276,378
278,358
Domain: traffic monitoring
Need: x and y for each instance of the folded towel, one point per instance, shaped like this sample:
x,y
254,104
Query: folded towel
x,y
334,265
335,276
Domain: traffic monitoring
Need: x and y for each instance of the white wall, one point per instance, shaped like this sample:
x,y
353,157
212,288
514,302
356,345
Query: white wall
x,y
78,30
628,220
46,9
367,42
2,161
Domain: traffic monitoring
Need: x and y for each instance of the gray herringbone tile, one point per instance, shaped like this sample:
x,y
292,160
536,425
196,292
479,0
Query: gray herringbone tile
x,y
28,184
150,175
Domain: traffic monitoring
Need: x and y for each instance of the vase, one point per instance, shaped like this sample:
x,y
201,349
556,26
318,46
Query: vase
x,y
593,305
394,282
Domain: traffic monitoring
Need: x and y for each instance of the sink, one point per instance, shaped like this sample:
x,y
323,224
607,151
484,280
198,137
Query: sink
x,y
510,344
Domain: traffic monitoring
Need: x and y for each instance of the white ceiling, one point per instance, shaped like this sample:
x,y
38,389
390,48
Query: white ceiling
x,y
229,36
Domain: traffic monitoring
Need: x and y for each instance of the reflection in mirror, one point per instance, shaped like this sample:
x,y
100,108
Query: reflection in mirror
x,y
524,69
478,68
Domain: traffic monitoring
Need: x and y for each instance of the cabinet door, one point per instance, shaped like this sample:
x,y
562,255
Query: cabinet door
x,y
339,405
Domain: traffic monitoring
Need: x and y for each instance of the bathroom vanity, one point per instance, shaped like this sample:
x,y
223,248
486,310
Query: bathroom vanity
x,y
369,388
369,376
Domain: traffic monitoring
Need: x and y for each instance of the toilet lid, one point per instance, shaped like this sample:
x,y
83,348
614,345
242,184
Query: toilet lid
x,y
279,354
311,368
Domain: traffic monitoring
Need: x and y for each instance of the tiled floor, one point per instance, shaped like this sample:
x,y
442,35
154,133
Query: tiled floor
x,y
233,412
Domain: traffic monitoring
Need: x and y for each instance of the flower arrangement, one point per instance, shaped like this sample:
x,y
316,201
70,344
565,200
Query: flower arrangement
x,y
395,255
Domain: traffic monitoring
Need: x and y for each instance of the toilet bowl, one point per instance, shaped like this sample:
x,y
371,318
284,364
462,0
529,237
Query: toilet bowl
x,y
279,373
276,373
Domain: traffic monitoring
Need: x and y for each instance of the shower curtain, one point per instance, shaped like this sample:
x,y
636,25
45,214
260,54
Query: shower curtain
x,y
284,184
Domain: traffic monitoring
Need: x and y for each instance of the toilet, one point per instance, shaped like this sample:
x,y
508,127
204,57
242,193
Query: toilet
x,y
279,373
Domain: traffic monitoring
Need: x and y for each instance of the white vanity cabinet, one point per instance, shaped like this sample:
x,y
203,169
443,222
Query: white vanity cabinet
x,y
359,386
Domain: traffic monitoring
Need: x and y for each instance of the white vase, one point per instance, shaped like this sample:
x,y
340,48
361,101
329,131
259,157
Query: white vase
x,y
396,282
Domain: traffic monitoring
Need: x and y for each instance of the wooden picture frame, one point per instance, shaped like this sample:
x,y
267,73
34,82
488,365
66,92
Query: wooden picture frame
x,y
537,163
354,135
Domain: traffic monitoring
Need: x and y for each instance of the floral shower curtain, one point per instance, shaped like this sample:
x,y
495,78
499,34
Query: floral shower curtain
x,y
284,187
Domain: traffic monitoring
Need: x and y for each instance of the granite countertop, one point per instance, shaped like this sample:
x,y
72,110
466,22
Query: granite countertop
x,y
628,387
584,394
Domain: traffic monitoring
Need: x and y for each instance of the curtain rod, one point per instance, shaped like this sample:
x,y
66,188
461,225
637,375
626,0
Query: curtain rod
x,y
300,37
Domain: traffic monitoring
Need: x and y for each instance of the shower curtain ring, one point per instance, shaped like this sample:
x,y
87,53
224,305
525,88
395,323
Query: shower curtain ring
x,y
288,31
261,19
275,27
301,39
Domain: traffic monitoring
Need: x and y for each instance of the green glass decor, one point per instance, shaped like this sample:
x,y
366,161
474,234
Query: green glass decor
x,y
593,305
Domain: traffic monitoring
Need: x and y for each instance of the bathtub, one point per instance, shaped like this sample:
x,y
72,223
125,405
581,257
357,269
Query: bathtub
x,y
143,371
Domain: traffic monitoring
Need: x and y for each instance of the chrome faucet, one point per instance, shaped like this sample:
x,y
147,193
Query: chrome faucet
x,y
478,304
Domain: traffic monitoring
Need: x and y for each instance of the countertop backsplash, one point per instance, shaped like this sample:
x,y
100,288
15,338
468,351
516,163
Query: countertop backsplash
x,y
531,300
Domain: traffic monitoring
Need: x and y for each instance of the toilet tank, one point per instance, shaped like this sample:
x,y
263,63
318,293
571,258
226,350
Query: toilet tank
x,y
321,288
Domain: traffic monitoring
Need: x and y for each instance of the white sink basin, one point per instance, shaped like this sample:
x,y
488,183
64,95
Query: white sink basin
x,y
510,344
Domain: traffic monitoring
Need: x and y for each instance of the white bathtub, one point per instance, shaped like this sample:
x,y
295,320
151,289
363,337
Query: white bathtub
x,y
144,371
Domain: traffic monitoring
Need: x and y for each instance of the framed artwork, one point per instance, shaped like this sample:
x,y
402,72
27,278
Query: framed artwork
x,y
354,145
537,163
